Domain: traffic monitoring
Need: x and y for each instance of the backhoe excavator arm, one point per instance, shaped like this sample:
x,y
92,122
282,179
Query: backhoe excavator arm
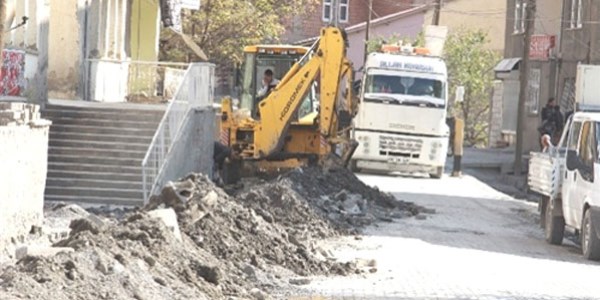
x,y
277,110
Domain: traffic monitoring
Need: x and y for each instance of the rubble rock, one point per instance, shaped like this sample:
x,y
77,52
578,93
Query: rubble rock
x,y
299,281
168,217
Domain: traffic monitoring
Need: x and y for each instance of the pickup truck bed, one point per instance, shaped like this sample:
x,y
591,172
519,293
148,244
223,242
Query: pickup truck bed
x,y
545,174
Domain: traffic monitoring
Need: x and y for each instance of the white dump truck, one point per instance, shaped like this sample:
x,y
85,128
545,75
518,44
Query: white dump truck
x,y
401,123
567,175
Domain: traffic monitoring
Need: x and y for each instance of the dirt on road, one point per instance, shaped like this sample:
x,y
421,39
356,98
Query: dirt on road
x,y
241,246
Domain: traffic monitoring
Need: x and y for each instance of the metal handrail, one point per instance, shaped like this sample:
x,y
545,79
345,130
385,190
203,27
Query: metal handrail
x,y
170,124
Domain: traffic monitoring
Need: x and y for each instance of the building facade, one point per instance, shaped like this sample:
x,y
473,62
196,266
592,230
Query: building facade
x,y
566,34
579,44
543,72
25,50
489,16
350,13
95,44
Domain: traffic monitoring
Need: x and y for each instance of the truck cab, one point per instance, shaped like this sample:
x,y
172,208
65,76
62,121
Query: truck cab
x,y
401,124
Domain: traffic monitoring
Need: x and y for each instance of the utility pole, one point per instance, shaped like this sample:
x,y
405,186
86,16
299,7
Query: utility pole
x,y
2,21
367,31
524,77
335,10
436,12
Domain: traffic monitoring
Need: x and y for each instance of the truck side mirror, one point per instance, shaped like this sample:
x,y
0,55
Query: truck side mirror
x,y
572,160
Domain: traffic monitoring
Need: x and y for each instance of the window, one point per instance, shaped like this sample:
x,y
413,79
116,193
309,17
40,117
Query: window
x,y
326,10
576,14
574,136
587,151
343,17
520,8
533,91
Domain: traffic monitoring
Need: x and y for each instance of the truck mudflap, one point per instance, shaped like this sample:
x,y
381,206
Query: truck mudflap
x,y
544,174
595,215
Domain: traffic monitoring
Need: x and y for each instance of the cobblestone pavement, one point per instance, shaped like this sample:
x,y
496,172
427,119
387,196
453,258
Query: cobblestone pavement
x,y
480,244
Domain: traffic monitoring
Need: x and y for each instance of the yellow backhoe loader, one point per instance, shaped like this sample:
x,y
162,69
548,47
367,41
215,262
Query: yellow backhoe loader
x,y
305,119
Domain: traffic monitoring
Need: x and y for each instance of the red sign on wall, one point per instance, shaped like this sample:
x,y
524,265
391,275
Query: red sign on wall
x,y
540,46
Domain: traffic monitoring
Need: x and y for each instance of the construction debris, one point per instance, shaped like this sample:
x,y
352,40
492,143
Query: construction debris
x,y
237,246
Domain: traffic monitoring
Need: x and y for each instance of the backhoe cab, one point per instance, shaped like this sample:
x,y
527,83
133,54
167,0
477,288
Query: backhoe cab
x,y
277,58
305,118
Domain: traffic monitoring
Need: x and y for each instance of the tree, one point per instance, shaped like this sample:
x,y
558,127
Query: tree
x,y
471,65
223,27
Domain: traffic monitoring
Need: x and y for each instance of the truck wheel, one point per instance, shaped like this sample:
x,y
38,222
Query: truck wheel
x,y
590,244
439,172
554,227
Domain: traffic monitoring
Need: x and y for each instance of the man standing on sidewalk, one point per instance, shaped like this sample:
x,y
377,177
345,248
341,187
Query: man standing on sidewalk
x,y
552,121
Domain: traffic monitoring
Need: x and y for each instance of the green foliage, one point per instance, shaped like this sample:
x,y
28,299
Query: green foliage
x,y
471,65
223,27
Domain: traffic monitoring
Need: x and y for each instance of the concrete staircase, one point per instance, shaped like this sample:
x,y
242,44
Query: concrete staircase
x,y
95,152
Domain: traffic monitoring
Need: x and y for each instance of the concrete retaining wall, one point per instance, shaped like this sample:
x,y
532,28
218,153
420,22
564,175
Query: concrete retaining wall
x,y
23,167
193,148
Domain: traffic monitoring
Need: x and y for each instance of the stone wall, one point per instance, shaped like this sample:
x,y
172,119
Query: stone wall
x,y
23,166
495,134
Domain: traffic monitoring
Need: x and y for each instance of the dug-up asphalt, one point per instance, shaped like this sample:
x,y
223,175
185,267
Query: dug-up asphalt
x,y
478,244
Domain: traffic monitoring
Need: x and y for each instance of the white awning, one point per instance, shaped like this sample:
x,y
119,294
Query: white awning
x,y
507,64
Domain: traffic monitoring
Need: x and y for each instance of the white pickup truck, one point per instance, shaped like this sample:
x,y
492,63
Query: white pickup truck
x,y
568,175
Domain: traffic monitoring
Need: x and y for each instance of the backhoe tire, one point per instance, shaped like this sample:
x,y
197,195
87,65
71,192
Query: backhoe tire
x,y
590,244
554,227
439,172
354,167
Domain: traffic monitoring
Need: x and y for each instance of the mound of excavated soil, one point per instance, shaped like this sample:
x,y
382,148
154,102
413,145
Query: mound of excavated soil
x,y
239,234
231,244
135,259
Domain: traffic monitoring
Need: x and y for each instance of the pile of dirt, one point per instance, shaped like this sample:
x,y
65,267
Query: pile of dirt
x,y
232,230
231,245
324,203
138,258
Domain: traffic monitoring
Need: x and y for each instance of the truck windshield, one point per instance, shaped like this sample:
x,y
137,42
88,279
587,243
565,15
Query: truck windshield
x,y
381,87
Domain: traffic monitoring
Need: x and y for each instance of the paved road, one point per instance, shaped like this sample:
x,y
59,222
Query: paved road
x,y
480,244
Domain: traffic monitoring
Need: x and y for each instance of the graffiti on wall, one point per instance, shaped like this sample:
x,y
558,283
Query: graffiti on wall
x,y
12,73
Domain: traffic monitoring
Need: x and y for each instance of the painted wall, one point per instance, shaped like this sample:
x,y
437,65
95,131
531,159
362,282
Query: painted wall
x,y
409,26
489,15
64,50
144,31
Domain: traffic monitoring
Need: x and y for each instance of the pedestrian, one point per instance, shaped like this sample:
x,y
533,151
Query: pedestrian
x,y
552,122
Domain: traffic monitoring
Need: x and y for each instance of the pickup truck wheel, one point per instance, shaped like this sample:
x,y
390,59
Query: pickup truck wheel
x,y
590,244
554,227
438,173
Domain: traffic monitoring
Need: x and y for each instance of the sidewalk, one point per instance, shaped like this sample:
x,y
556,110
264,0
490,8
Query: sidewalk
x,y
499,159
496,168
